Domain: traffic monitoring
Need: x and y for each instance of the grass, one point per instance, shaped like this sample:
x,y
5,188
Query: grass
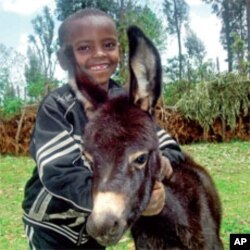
x,y
228,163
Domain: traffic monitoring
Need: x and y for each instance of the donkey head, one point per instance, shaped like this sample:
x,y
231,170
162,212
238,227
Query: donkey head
x,y
120,142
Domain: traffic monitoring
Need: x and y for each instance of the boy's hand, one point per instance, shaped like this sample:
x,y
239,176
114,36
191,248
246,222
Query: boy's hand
x,y
158,196
166,168
157,200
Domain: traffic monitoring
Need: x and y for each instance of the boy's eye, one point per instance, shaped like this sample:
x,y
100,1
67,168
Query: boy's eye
x,y
84,48
110,45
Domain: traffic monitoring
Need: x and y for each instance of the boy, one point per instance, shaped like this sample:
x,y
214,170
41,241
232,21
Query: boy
x,y
58,196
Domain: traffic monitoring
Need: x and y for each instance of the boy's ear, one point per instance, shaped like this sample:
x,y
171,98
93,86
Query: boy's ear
x,y
145,70
63,58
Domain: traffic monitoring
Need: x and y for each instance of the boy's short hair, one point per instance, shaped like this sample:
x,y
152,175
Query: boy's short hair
x,y
77,15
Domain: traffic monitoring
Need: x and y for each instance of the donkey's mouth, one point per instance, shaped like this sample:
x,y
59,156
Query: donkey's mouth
x,y
106,234
108,240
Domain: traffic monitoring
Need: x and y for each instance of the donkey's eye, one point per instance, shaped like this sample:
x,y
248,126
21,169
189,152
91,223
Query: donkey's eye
x,y
138,159
141,159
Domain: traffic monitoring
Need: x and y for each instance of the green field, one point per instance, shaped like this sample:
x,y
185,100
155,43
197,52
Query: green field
x,y
228,163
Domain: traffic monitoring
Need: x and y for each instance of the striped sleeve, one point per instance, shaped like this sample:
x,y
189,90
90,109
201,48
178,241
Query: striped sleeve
x,y
58,155
169,147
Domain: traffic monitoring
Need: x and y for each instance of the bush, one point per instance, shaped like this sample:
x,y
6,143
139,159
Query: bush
x,y
172,92
225,98
11,106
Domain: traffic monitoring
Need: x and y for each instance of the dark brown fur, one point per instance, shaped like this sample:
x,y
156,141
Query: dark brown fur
x,y
191,217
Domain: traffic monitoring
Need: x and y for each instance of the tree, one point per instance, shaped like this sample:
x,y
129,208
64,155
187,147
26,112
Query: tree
x,y
173,67
146,19
44,45
197,68
248,30
11,69
64,8
4,83
195,48
238,48
34,76
4,54
232,14
176,12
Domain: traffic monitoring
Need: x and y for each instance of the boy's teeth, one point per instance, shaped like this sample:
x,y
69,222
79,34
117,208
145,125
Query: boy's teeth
x,y
98,67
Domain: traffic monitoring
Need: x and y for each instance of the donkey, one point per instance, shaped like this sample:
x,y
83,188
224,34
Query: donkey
x,y
121,143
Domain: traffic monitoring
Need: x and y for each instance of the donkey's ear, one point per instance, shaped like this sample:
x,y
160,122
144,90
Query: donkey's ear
x,y
145,70
86,89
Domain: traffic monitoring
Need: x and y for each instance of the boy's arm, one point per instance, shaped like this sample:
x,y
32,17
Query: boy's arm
x,y
169,147
57,152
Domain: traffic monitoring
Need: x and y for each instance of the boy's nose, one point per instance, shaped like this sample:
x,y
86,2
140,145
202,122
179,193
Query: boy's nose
x,y
98,52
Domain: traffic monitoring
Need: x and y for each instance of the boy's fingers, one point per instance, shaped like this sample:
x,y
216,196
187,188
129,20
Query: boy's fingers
x,y
166,168
158,185
157,200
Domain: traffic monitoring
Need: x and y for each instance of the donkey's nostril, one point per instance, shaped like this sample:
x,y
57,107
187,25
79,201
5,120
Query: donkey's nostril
x,y
116,223
114,228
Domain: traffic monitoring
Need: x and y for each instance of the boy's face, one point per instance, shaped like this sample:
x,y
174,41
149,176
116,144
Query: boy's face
x,y
95,45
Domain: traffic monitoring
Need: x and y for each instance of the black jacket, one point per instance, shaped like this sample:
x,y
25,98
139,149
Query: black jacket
x,y
58,195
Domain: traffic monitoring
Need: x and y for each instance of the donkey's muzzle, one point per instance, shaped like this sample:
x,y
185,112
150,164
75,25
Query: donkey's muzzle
x,y
106,230
106,223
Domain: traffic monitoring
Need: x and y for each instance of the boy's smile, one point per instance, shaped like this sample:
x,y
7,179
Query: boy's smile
x,y
99,67
95,45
